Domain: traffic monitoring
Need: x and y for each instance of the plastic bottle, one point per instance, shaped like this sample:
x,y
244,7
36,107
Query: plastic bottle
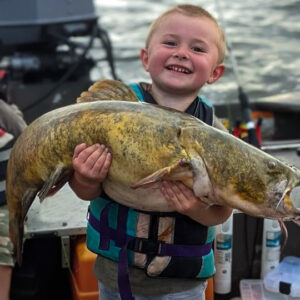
x,y
270,246
223,257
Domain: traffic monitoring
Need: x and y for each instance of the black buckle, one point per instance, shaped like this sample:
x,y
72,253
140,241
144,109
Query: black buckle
x,y
147,246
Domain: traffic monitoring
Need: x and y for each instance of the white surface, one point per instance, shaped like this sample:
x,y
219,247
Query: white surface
x,y
62,214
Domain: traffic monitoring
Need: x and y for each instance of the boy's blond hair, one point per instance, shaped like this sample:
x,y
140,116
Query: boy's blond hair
x,y
191,11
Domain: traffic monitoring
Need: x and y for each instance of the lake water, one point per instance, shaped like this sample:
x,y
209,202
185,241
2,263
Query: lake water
x,y
264,34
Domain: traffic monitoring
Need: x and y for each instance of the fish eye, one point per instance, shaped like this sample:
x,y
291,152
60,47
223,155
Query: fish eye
x,y
271,164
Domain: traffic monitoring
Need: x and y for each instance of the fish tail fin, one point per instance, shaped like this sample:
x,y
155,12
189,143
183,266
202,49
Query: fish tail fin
x,y
108,89
16,222
16,231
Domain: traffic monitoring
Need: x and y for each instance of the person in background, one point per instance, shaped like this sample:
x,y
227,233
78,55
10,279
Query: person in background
x,y
184,50
11,126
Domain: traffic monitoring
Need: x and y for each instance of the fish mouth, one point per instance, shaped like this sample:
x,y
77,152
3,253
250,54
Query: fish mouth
x,y
289,204
179,69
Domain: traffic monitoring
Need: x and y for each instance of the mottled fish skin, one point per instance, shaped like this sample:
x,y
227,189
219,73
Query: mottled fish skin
x,y
50,140
148,144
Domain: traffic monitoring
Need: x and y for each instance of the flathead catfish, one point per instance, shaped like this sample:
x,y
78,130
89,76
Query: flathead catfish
x,y
148,144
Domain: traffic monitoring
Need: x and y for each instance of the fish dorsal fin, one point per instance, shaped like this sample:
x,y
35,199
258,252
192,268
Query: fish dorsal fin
x,y
108,89
181,171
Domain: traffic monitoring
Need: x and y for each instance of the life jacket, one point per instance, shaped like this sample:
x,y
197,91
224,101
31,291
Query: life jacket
x,y
203,111
163,244
6,142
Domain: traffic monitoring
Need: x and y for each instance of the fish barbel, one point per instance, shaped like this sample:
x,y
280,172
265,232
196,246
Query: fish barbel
x,y
148,144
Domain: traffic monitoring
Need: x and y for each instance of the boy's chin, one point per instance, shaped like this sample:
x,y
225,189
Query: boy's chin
x,y
180,88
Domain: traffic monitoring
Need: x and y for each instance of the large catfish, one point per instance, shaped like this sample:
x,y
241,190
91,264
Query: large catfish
x,y
148,144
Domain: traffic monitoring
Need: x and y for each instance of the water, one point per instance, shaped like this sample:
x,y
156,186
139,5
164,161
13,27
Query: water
x,y
264,34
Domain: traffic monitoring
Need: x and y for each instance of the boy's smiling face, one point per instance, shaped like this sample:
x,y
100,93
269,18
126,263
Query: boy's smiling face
x,y
183,55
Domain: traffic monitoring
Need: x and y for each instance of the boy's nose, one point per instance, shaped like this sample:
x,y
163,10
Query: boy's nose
x,y
181,53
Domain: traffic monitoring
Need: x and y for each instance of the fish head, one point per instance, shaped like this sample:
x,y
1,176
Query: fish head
x,y
269,188
249,179
283,195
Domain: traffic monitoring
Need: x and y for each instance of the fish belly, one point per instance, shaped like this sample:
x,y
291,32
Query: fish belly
x,y
146,199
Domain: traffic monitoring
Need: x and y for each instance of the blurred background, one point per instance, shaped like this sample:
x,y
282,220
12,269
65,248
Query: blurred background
x,y
40,46
265,39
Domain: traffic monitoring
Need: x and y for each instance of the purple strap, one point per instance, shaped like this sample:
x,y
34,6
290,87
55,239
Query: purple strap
x,y
104,228
122,222
184,250
121,240
123,276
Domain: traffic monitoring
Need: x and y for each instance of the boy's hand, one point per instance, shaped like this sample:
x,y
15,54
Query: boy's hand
x,y
184,201
91,164
181,198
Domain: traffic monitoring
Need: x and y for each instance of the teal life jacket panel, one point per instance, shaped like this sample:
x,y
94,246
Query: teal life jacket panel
x,y
163,244
138,91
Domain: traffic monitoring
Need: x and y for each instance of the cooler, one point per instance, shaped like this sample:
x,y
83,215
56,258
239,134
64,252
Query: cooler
x,y
83,280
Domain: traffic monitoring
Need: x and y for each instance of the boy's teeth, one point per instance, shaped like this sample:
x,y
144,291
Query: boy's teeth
x,y
177,69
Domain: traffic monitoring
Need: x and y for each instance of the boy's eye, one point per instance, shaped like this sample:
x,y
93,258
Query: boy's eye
x,y
169,43
198,49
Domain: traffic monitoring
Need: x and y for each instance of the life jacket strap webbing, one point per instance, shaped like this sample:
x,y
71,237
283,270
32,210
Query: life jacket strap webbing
x,y
136,244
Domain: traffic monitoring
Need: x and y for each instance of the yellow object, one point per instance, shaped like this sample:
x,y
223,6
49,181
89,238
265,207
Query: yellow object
x,y
225,123
84,282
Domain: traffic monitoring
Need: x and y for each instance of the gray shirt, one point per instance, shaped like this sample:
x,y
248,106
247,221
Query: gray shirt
x,y
106,271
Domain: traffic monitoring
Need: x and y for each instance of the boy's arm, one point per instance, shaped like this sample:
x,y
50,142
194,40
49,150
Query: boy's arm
x,y
91,165
183,200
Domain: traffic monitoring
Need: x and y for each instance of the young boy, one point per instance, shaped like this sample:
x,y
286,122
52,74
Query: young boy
x,y
184,50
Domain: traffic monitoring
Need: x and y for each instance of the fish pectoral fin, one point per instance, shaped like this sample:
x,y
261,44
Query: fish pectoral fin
x,y
55,182
181,171
202,185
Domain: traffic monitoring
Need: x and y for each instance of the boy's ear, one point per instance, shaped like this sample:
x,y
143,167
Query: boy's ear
x,y
144,58
216,74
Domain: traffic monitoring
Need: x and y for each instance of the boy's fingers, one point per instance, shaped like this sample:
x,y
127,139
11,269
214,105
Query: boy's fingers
x,y
168,192
87,152
98,164
78,149
93,156
106,164
103,169
188,193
